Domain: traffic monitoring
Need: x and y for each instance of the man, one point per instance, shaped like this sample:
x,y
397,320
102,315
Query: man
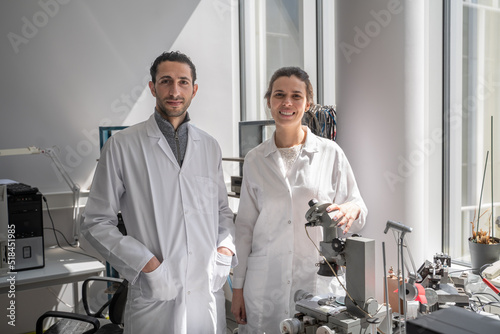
x,y
165,177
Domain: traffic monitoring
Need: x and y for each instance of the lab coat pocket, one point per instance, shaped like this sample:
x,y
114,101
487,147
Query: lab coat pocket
x,y
158,285
222,266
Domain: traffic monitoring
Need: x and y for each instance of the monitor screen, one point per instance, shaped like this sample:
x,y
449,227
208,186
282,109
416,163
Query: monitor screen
x,y
107,131
252,133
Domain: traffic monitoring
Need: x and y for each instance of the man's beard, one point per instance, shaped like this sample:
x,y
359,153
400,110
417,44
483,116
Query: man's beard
x,y
166,113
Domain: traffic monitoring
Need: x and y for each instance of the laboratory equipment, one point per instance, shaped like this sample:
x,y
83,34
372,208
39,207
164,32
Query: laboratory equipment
x,y
407,290
21,231
320,314
454,320
440,287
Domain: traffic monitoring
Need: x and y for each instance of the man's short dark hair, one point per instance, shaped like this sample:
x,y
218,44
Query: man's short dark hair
x,y
172,56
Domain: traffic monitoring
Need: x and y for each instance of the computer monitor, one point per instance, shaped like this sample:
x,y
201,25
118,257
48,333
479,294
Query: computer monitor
x,y
107,131
252,133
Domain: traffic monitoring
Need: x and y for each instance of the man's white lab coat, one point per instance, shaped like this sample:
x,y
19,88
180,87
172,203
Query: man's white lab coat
x,y
178,214
276,258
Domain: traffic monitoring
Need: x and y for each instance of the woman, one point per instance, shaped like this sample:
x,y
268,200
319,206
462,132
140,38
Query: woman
x,y
280,176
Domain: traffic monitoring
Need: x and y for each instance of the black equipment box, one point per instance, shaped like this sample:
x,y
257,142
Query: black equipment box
x,y
25,229
453,320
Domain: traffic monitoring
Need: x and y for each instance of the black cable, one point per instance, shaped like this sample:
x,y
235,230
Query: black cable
x,y
59,231
477,305
322,121
487,294
51,220
493,303
67,242
477,309
482,269
55,235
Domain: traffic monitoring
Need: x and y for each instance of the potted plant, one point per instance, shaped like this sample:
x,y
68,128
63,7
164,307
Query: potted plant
x,y
484,249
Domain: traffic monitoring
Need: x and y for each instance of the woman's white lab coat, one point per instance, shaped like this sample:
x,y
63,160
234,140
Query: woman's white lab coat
x,y
275,256
179,215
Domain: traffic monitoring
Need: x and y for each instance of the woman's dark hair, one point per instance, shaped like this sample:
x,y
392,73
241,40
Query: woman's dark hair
x,y
288,72
172,56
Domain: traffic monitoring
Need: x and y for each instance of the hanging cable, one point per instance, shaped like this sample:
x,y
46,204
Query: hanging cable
x,y
322,120
55,235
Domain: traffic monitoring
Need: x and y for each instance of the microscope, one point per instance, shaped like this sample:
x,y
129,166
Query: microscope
x,y
358,312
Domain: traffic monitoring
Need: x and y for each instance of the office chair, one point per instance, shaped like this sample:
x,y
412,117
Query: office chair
x,y
91,322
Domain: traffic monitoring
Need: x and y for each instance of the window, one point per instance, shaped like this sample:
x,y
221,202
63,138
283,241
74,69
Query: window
x,y
472,111
274,33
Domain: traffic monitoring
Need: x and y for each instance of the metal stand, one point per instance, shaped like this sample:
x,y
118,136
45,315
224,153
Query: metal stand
x,y
402,229
388,316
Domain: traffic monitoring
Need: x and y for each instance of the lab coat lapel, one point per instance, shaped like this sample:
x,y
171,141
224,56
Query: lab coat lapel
x,y
192,144
274,161
155,134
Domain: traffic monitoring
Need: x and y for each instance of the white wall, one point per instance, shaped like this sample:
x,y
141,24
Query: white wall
x,y
388,107
70,66
88,64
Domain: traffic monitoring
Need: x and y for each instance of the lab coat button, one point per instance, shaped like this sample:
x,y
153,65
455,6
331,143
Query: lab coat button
x,y
189,292
288,282
289,222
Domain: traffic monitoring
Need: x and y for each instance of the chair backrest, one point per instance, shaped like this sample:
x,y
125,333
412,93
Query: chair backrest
x,y
115,305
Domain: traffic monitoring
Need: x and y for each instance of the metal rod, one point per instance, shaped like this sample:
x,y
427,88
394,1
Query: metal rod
x,y
403,278
492,185
481,195
398,275
446,126
242,60
388,316
319,50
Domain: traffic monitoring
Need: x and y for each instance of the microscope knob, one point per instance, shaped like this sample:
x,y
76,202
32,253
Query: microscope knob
x,y
371,306
291,326
312,202
338,245
325,330
301,294
431,296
